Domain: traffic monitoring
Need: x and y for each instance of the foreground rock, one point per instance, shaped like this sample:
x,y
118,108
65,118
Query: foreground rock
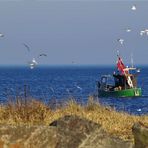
x,y
76,132
140,135
67,132
27,137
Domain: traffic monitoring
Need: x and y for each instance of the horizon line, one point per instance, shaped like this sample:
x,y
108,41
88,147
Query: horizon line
x,y
70,65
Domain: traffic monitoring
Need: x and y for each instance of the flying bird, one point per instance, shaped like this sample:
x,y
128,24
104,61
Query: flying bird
x,y
28,48
32,66
142,32
79,87
138,70
33,63
128,30
120,41
1,35
146,31
133,7
51,88
42,54
139,110
68,91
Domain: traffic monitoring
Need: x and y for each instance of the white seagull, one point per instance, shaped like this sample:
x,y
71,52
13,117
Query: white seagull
x,y
139,110
1,35
128,30
121,41
142,32
138,70
79,87
31,66
68,91
133,7
33,63
146,31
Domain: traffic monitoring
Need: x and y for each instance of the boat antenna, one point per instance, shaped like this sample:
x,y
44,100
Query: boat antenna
x,y
118,53
132,61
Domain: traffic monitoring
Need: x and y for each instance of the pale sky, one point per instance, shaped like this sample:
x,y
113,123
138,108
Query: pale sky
x,y
81,32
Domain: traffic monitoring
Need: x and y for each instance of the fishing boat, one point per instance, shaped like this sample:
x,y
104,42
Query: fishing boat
x,y
122,83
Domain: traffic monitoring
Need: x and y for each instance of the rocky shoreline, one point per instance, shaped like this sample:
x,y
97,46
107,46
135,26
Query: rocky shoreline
x,y
68,132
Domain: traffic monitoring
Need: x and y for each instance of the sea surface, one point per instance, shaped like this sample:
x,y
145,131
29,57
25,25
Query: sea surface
x,y
45,83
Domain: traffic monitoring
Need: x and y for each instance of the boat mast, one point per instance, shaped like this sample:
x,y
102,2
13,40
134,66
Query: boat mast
x,y
132,61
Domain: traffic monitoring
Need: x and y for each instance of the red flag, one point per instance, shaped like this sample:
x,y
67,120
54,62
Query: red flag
x,y
120,65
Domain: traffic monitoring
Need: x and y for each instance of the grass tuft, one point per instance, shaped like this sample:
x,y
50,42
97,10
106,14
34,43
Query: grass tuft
x,y
32,112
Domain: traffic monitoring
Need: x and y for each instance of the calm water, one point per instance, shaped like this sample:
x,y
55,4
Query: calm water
x,y
64,82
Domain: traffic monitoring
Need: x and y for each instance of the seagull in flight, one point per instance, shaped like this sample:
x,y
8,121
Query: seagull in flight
x,y
28,48
68,91
1,35
142,32
146,31
139,110
42,54
133,7
120,41
138,70
128,30
51,88
79,87
33,63
31,66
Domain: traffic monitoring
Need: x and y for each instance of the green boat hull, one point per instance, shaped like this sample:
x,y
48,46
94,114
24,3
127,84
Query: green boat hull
x,y
134,92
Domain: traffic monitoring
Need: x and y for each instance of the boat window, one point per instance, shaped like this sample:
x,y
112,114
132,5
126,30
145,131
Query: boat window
x,y
111,81
104,80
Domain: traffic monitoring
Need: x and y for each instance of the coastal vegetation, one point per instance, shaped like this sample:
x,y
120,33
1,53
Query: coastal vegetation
x,y
29,111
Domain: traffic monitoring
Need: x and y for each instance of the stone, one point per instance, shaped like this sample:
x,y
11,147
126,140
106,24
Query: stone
x,y
66,132
140,133
72,130
82,133
27,137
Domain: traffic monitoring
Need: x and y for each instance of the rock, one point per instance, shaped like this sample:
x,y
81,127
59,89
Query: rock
x,y
72,130
140,133
66,132
27,137
83,133
76,124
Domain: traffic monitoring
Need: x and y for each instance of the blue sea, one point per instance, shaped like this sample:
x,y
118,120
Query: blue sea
x,y
78,82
